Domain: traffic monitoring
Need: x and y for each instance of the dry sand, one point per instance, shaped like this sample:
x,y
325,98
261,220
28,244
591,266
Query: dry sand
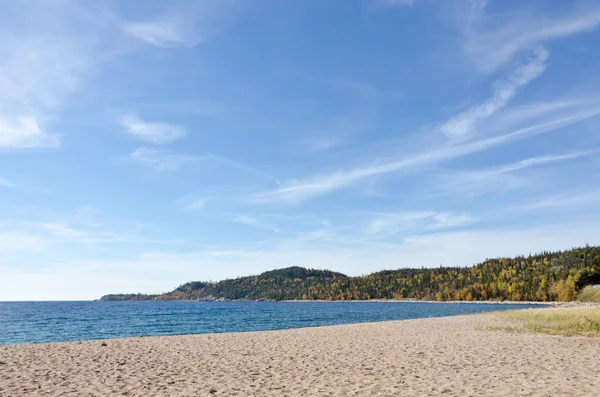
x,y
456,356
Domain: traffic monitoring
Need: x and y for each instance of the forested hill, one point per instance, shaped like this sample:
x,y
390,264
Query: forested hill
x,y
549,276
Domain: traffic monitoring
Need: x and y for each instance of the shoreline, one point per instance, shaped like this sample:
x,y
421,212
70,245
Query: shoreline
x,y
547,303
428,301
453,356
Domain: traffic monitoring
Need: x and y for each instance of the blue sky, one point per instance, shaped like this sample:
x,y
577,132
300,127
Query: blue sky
x,y
146,145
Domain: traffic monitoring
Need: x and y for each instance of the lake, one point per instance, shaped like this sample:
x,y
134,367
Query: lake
x,y
38,322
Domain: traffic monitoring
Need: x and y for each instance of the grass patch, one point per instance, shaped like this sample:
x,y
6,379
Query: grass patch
x,y
589,294
583,321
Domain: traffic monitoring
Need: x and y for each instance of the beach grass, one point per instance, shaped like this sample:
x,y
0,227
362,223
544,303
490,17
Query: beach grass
x,y
570,321
589,294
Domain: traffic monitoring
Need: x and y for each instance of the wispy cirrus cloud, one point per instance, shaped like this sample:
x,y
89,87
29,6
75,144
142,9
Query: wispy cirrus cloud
x,y
166,160
463,124
255,221
170,32
500,178
66,230
185,107
388,224
529,163
5,183
331,133
157,133
87,215
573,201
532,111
494,40
161,160
39,69
193,203
296,191
299,224
184,24
407,3
323,143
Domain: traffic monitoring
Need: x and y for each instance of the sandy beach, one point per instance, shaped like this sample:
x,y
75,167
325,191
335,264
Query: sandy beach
x,y
456,356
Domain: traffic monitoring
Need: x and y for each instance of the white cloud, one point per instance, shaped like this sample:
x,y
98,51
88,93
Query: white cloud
x,y
24,132
172,33
254,221
161,160
449,220
494,40
193,203
185,24
463,124
152,132
407,3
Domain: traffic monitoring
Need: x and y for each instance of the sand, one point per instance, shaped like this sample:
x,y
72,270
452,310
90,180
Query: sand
x,y
453,356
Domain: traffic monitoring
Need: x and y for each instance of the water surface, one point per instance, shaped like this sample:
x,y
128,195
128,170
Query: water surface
x,y
37,322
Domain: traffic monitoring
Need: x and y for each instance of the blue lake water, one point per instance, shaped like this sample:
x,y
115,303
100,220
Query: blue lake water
x,y
37,322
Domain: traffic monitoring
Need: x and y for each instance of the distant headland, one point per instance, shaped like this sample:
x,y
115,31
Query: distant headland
x,y
544,277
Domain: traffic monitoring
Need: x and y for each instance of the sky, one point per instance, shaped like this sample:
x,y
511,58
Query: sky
x,y
147,144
